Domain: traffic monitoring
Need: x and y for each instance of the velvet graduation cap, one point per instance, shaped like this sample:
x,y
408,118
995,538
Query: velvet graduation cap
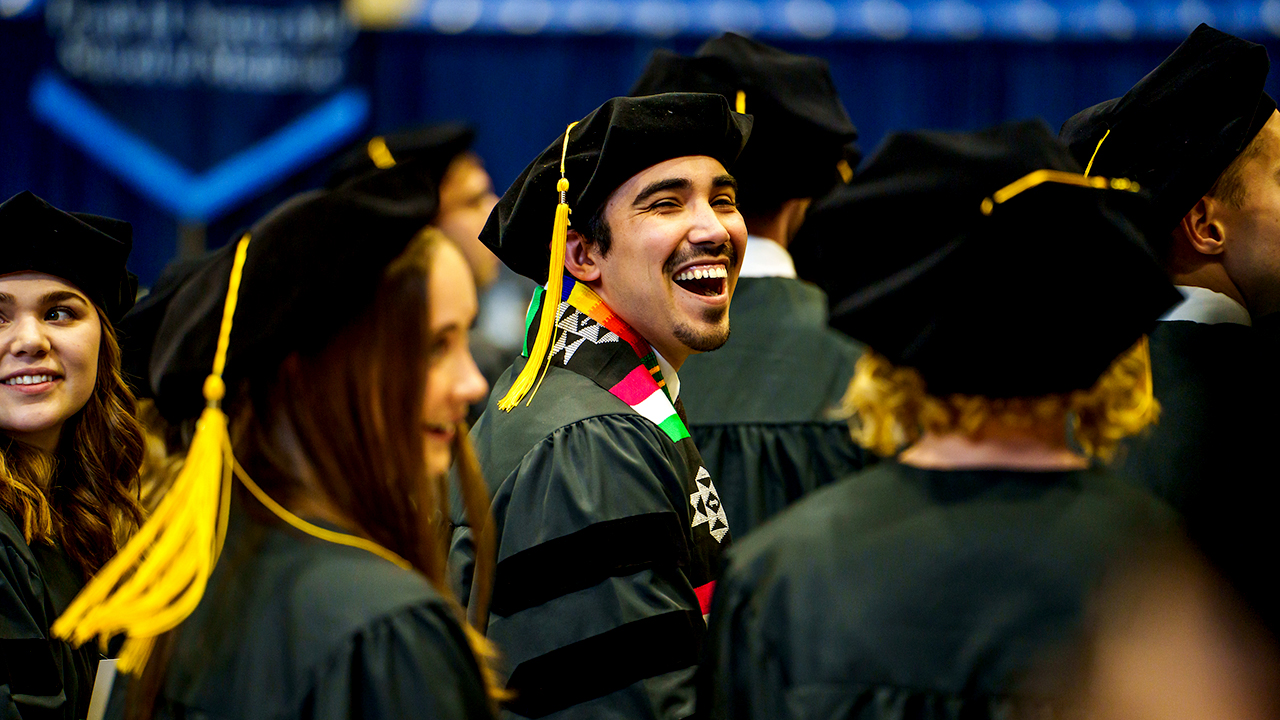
x,y
581,169
426,151
297,278
1181,125
88,251
801,137
169,338
990,264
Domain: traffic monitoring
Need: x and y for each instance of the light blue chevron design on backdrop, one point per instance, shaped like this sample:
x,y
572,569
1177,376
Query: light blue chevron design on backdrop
x,y
191,196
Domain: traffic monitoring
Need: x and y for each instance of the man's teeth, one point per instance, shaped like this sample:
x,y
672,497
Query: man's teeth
x,y
28,379
703,272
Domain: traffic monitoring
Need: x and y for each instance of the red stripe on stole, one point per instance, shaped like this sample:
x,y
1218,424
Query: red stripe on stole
x,y
704,596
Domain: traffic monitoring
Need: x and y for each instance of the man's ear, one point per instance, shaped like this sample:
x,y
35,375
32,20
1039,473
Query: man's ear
x,y
1202,227
580,258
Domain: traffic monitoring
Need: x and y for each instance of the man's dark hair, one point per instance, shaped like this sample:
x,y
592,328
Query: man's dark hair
x,y
596,231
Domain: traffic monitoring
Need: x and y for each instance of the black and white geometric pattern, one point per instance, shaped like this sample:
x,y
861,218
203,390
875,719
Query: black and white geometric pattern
x,y
575,328
707,508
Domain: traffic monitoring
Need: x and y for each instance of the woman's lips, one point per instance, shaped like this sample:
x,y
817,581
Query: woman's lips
x,y
35,388
443,433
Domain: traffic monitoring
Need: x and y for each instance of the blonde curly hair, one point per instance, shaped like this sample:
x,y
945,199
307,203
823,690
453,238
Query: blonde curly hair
x,y
889,409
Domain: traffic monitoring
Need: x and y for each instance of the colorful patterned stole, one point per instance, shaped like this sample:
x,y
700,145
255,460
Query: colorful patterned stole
x,y
594,342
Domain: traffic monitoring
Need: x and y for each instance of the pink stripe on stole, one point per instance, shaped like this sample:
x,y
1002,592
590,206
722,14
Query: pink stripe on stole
x,y
635,387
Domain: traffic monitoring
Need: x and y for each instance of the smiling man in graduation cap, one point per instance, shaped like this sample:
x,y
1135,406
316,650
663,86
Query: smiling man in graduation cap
x,y
1201,135
764,409
609,527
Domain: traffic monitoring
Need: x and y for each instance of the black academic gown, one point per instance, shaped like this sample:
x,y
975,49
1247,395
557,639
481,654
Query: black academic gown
x,y
905,593
607,531
1211,456
40,678
764,408
295,627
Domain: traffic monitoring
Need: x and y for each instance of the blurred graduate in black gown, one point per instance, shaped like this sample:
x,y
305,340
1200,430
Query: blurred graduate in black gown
x,y
935,584
1201,135
764,408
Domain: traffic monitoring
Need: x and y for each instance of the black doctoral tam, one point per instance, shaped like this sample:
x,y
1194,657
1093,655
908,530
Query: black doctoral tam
x,y
422,157
801,133
313,264
88,251
1181,125
990,264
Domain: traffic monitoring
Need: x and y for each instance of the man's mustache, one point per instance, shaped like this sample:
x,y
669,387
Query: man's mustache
x,y
684,256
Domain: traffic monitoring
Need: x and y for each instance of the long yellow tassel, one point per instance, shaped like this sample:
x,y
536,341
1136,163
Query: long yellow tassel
x,y
550,298
159,576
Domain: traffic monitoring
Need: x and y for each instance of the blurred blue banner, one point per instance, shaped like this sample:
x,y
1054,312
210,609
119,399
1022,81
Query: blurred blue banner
x,y
207,113
949,20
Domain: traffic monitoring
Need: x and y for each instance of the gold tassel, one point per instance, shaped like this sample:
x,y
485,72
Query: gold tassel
x,y
380,154
158,578
550,298
1094,156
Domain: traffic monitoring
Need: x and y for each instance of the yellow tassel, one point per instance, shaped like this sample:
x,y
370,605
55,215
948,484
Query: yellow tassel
x,y
550,298
380,154
1148,379
1094,156
158,578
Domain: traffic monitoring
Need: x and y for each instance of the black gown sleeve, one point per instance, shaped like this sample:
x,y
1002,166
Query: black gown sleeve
x,y
594,606
30,678
412,663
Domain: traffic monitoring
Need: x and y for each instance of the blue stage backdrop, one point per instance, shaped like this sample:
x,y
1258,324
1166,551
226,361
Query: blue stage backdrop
x,y
194,124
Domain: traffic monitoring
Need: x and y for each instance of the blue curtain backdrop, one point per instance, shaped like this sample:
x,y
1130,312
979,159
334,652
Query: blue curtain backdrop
x,y
520,90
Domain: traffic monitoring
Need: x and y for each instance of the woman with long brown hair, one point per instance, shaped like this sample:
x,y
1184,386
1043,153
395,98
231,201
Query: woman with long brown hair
x,y
347,376
69,443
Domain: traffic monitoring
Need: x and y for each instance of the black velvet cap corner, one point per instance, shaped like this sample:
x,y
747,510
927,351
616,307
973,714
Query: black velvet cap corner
x,y
313,265
1179,127
428,150
88,251
606,148
1037,297
801,130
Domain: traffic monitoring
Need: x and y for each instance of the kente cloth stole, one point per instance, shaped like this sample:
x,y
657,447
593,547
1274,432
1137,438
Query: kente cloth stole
x,y
592,341
595,343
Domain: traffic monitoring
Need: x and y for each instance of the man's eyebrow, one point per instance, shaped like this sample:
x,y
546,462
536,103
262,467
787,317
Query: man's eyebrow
x,y
660,185
6,299
724,181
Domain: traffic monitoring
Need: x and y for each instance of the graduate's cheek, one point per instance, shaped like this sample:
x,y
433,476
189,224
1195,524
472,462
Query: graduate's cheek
x,y
651,293
1253,237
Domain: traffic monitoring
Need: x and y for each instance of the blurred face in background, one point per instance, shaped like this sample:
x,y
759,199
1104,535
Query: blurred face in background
x,y
1252,224
466,199
454,382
